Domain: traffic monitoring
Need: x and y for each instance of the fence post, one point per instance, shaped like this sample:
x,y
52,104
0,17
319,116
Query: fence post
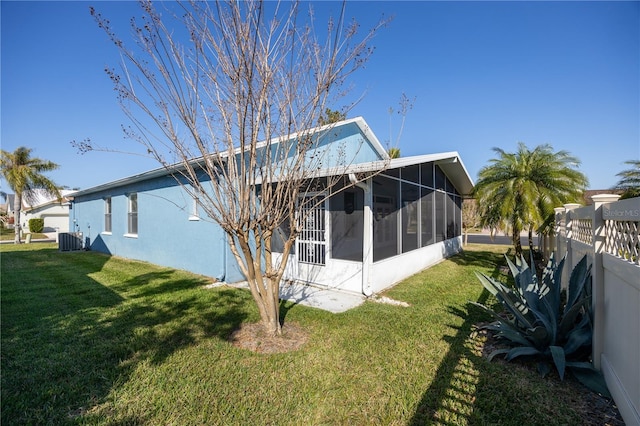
x,y
568,224
597,274
559,232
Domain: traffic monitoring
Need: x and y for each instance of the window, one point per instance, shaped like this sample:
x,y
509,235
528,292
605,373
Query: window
x,y
451,217
426,172
347,225
311,240
441,179
107,214
458,214
280,237
421,208
385,217
410,195
441,218
426,218
132,222
411,173
194,209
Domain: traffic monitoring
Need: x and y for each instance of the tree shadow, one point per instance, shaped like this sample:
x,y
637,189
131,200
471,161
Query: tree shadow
x,y
481,259
445,393
291,295
156,283
68,340
285,307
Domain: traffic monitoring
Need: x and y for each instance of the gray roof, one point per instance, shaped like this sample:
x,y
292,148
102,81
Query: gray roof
x,y
449,162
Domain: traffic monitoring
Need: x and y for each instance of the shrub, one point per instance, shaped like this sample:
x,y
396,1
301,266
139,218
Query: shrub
x,y
36,225
544,323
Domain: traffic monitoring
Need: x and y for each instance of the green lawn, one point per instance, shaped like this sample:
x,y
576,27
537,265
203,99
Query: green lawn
x,y
7,234
90,339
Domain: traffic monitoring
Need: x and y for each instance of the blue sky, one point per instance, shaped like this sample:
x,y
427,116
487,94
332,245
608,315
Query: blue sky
x,y
483,75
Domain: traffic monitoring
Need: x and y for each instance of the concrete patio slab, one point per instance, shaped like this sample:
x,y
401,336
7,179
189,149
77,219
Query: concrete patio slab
x,y
324,298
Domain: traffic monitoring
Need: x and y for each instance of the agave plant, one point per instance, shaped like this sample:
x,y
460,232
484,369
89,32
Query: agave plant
x,y
543,322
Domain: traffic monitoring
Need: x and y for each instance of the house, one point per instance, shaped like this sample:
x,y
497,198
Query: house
x,y
40,204
7,209
54,211
363,239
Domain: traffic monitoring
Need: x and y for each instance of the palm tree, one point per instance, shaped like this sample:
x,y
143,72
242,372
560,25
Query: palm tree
x,y
394,152
630,180
522,188
330,116
23,174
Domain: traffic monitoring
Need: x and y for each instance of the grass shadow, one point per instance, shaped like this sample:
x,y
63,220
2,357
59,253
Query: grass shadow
x,y
451,370
73,329
481,258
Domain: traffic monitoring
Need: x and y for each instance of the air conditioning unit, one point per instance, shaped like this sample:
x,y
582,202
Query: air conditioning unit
x,y
70,241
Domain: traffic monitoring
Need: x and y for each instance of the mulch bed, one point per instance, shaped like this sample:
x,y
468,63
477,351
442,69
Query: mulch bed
x,y
595,409
253,337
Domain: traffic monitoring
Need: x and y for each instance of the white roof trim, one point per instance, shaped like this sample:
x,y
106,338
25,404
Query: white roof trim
x,y
164,171
359,121
464,183
385,162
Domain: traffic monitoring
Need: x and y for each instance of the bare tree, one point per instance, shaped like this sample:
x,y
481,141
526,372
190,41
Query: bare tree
x,y
404,106
225,96
470,216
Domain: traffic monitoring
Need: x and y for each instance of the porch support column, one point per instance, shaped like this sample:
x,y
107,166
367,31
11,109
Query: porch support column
x,y
367,233
367,240
568,226
597,269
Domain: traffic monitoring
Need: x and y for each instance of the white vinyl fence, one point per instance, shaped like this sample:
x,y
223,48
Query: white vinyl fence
x,y
608,232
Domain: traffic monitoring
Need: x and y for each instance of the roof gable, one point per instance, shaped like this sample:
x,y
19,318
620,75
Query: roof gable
x,y
352,139
40,198
450,163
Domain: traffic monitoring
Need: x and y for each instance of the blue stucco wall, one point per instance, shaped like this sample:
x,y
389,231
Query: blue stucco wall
x,y
345,145
166,235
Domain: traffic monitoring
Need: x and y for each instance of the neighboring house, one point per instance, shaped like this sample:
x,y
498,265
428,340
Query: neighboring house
x,y
55,212
8,208
364,239
5,220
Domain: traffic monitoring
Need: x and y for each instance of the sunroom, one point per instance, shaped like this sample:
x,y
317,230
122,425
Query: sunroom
x,y
385,228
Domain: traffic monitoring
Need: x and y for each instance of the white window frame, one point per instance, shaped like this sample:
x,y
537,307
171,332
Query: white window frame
x,y
194,216
108,217
132,215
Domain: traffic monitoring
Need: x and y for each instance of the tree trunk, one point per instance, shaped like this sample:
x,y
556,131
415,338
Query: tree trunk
x,y
264,289
17,207
531,239
516,242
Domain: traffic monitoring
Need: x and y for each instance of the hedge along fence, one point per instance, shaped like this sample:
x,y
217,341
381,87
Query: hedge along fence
x,y
608,232
36,225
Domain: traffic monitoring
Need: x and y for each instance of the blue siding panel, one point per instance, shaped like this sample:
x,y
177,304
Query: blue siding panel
x,y
166,236
348,143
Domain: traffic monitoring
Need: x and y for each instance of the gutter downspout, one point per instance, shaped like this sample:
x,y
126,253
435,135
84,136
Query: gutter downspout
x,y
367,234
225,247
